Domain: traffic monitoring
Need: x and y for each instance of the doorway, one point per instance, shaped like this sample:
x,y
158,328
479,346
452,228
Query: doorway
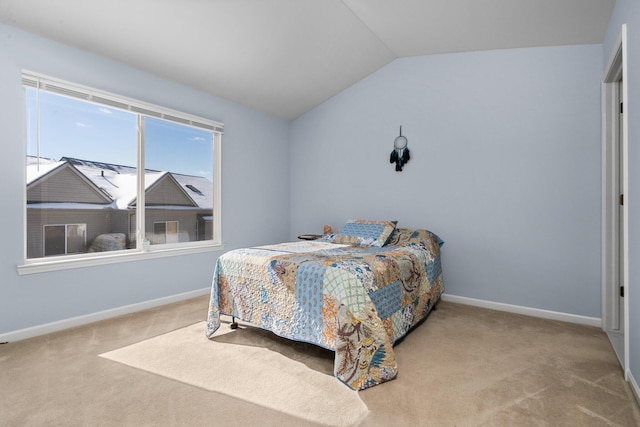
x,y
614,206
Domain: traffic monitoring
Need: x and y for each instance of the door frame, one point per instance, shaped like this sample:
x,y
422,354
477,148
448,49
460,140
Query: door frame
x,y
613,244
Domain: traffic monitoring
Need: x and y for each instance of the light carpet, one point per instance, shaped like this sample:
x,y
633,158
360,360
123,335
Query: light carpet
x,y
245,372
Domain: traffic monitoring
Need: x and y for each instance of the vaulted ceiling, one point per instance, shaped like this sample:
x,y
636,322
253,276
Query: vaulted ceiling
x,y
284,57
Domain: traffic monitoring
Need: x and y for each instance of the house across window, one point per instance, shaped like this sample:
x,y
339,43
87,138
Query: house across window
x,y
104,173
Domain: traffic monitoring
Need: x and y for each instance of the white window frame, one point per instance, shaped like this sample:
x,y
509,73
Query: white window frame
x,y
144,250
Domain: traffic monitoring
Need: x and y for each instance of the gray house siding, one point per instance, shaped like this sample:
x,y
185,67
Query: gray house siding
x,y
98,221
189,223
73,193
191,227
167,192
64,185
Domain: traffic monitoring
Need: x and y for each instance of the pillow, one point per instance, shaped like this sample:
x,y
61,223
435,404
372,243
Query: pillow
x,y
363,233
415,236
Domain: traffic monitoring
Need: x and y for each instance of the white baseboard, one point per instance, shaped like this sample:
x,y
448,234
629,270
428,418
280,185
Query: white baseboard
x,y
634,387
527,311
48,328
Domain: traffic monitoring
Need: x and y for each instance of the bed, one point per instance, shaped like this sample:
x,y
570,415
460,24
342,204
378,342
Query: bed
x,y
356,292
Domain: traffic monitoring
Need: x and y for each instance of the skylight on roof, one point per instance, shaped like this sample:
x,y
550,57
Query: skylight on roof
x,y
194,189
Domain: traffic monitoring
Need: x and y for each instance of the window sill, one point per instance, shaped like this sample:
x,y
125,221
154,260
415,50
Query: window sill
x,y
45,265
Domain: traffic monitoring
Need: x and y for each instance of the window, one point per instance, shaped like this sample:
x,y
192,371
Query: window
x,y
109,174
165,232
65,239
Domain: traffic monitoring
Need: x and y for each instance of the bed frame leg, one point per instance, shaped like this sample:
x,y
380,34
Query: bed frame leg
x,y
234,324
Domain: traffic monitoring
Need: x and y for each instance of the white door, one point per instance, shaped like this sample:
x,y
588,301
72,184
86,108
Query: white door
x,y
614,203
618,304
613,310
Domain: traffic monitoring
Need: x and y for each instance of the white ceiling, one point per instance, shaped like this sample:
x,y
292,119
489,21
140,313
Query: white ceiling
x,y
284,57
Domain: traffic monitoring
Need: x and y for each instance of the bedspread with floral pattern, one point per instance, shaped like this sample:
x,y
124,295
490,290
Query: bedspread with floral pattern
x,y
357,301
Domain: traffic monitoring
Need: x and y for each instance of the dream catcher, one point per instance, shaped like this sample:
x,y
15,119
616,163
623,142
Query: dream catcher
x,y
400,154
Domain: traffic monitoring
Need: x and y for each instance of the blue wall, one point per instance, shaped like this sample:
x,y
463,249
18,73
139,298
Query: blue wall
x,y
253,142
628,12
505,168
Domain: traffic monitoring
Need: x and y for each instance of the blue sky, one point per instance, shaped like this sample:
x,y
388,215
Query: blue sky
x,y
74,128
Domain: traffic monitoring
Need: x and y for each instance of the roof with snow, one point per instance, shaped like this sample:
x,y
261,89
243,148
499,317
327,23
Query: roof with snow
x,y
118,183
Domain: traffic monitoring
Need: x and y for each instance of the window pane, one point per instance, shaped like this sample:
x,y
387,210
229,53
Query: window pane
x,y
54,240
82,172
178,178
159,233
81,169
76,238
172,232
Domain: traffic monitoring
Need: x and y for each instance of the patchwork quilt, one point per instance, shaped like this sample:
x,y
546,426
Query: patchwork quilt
x,y
355,300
